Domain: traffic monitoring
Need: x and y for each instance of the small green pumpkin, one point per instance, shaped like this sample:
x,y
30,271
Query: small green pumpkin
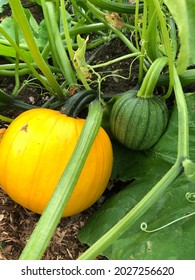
x,y
136,122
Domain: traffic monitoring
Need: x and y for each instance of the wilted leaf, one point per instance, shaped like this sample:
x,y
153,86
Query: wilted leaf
x,y
79,57
115,20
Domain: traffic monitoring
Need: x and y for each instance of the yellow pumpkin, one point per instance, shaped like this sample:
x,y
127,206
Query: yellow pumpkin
x,y
34,151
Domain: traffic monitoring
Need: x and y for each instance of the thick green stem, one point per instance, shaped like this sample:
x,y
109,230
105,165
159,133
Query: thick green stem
x,y
49,220
136,24
6,98
166,42
17,59
114,6
93,27
152,32
143,44
25,28
186,78
5,119
147,88
66,30
183,127
56,42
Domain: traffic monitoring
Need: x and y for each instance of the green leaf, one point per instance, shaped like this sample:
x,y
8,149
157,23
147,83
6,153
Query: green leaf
x,y
2,2
38,2
166,148
8,25
39,31
172,235
11,52
183,13
169,242
42,35
7,51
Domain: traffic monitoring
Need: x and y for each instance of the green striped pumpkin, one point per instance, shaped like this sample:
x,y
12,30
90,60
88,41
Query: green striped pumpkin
x,y
138,123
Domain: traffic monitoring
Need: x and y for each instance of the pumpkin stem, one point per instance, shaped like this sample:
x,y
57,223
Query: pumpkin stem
x,y
75,103
118,7
5,98
147,88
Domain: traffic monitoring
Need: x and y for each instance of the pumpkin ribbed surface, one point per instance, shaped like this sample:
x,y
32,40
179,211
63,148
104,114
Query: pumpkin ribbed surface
x,y
34,152
138,123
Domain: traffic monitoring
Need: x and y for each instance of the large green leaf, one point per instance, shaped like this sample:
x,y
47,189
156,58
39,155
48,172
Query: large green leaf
x,y
11,52
39,31
183,12
167,146
175,241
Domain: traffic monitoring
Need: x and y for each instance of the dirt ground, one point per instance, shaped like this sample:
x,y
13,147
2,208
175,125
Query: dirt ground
x,y
17,223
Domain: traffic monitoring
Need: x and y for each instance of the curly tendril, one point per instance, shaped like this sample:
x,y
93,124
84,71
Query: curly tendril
x,y
190,196
144,225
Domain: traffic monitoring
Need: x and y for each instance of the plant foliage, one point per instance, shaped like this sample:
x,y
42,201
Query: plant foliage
x,y
174,241
153,216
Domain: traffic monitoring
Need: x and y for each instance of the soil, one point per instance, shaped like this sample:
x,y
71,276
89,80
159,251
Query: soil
x,y
17,223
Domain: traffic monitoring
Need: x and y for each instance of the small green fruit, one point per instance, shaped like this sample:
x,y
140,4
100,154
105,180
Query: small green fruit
x,y
138,123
